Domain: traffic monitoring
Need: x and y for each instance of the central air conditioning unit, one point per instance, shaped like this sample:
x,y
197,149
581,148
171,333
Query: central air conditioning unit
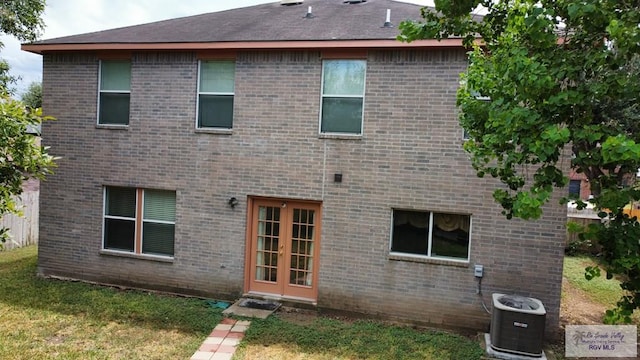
x,y
517,325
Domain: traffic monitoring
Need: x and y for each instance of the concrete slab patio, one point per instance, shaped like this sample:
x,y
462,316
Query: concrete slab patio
x,y
507,356
239,309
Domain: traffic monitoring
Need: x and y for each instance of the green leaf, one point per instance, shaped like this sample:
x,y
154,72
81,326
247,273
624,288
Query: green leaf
x,y
591,272
574,10
559,97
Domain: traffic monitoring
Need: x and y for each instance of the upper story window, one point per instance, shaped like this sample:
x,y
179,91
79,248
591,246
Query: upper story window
x,y
140,221
115,92
342,96
216,86
574,188
430,234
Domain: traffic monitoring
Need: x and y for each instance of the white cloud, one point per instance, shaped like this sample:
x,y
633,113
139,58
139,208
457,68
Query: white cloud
x,y
71,17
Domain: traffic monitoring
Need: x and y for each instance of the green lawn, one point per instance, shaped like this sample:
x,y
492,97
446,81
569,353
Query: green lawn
x,y
599,289
52,319
324,339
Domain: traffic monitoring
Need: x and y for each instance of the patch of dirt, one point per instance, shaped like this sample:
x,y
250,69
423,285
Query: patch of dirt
x,y
297,316
577,309
56,340
307,316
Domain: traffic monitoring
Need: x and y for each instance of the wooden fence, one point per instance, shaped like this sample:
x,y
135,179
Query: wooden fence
x,y
23,230
584,218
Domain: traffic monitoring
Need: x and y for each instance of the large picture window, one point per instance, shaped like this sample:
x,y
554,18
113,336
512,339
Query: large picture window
x,y
140,221
115,92
436,235
216,86
343,83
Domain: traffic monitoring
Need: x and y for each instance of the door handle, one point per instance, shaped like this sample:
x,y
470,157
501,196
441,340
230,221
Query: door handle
x,y
281,249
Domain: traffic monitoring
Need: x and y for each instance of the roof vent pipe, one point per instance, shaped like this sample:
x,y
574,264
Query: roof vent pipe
x,y
291,2
387,22
309,14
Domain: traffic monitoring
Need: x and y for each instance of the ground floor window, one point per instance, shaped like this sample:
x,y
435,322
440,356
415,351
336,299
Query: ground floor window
x,y
140,221
431,234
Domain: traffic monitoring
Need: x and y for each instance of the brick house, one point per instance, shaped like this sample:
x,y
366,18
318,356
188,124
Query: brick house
x,y
271,152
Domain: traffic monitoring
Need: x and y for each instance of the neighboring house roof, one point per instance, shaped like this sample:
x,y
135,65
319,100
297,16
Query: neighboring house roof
x,y
335,23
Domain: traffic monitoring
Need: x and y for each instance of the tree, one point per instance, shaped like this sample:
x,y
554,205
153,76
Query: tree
x,y
22,19
33,97
21,156
547,78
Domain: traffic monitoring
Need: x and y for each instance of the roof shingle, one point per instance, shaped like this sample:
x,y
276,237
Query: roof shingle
x,y
333,20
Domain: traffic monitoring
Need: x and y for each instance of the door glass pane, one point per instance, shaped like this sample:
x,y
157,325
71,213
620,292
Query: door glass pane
x,y
302,243
268,241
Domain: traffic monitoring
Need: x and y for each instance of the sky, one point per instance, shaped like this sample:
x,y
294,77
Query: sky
x,y
72,17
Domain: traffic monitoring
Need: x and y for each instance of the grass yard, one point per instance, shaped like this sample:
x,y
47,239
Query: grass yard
x,y
324,339
50,319
599,290
585,301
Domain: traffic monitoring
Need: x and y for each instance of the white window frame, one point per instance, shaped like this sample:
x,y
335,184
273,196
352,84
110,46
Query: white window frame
x,y
139,218
476,96
105,216
151,221
429,238
100,91
198,93
323,95
465,135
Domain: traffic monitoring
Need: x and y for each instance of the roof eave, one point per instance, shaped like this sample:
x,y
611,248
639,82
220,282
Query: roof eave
x,y
242,45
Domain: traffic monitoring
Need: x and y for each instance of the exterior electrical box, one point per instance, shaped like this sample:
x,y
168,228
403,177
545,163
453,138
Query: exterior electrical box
x,y
517,325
